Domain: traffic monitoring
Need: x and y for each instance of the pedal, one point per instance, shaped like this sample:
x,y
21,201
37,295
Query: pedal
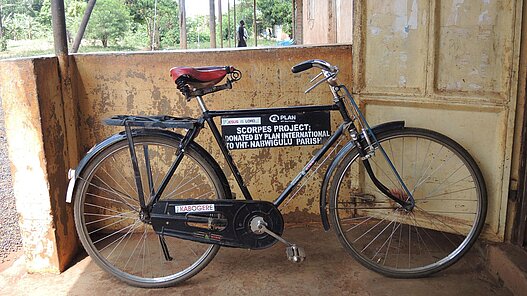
x,y
295,253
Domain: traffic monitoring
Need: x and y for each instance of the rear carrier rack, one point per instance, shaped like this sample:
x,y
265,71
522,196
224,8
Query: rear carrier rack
x,y
162,121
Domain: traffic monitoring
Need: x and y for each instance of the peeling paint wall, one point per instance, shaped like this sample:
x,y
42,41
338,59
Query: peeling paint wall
x,y
31,98
450,66
139,83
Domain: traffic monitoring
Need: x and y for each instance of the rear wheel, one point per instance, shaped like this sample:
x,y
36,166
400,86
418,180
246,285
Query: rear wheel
x,y
449,213
107,211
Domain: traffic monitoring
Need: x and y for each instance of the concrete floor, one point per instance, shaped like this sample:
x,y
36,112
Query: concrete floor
x,y
328,270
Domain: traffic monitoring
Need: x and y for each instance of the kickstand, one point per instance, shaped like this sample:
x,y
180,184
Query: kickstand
x,y
164,247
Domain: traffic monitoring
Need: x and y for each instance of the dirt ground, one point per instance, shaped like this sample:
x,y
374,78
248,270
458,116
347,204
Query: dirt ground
x,y
10,241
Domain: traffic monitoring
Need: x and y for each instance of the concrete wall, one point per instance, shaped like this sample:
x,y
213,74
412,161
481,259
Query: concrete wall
x,y
34,119
37,116
113,84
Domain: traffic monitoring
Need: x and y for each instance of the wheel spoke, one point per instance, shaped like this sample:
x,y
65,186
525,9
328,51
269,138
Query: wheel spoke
x,y
449,205
433,172
121,239
107,215
132,187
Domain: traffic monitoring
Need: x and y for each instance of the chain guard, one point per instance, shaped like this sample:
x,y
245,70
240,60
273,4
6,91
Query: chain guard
x,y
222,222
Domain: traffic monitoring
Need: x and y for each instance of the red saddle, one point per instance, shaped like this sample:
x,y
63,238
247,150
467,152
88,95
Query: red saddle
x,y
201,77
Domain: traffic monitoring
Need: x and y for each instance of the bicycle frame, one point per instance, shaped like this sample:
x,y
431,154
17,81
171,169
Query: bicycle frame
x,y
347,124
375,223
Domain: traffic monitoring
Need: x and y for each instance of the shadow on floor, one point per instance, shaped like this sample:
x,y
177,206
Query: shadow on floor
x,y
328,270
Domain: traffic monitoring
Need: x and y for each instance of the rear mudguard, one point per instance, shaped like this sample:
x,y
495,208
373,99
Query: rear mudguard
x,y
387,126
74,174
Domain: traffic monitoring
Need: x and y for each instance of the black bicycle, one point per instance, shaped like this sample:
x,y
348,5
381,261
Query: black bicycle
x,y
152,207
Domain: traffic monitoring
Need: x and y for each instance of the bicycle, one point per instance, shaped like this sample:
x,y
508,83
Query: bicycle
x,y
152,207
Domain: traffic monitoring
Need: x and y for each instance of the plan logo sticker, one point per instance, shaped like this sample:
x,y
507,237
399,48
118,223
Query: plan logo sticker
x,y
194,208
242,121
282,118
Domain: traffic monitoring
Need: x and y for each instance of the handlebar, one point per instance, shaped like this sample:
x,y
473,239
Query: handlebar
x,y
329,72
314,63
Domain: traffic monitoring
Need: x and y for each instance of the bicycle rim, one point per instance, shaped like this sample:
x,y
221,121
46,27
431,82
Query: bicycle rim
x,y
107,212
449,213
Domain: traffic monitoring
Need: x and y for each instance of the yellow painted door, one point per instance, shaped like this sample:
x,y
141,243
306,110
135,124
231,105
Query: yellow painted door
x,y
450,66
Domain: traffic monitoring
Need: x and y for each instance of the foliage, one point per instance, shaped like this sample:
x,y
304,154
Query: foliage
x,y
276,12
198,29
130,23
74,10
3,43
109,21
44,15
18,19
268,14
161,21
22,26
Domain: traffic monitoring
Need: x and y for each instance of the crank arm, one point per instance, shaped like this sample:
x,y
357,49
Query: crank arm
x,y
259,226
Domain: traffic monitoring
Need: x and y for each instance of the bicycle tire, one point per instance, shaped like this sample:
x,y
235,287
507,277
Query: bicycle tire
x,y
107,217
450,205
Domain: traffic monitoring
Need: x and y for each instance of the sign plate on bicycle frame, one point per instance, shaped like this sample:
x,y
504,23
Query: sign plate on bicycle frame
x,y
276,130
194,208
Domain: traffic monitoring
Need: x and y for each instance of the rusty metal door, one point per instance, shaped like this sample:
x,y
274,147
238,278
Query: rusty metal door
x,y
449,66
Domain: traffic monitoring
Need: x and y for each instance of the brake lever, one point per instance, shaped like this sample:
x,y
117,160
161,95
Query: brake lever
x,y
315,78
318,82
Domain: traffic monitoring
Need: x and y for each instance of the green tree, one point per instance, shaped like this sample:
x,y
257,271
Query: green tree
x,y
160,19
268,14
276,12
198,29
109,21
44,15
22,26
3,40
17,20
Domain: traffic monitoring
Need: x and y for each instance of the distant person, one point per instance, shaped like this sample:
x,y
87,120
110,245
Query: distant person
x,y
242,35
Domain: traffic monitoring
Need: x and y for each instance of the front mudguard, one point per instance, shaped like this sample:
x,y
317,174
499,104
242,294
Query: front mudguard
x,y
94,151
387,126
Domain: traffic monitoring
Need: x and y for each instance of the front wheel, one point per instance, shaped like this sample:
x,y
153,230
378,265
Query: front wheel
x,y
449,213
111,227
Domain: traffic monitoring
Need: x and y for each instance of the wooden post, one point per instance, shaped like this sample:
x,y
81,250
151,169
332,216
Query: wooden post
x,y
298,19
235,25
182,25
220,20
254,24
229,22
212,24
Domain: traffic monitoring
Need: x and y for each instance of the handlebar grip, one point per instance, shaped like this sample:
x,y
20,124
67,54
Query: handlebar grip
x,y
302,66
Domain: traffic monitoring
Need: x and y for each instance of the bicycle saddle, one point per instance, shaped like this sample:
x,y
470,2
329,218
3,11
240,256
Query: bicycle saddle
x,y
201,77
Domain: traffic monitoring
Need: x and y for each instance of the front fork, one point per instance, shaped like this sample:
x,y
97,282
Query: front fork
x,y
369,150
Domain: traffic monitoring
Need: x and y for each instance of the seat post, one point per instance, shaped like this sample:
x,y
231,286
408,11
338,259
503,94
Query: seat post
x,y
201,104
